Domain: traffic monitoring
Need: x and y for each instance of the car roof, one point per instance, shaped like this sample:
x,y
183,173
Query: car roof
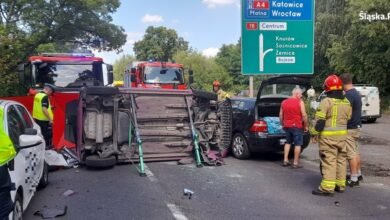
x,y
247,99
4,102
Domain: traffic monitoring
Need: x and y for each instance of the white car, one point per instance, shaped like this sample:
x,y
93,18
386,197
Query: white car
x,y
28,169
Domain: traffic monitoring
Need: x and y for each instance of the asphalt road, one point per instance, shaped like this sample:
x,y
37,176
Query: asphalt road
x,y
255,189
259,188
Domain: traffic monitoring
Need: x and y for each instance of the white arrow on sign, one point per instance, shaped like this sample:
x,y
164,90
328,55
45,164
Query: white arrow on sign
x,y
262,52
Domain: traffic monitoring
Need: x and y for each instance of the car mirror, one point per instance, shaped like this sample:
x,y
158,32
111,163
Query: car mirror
x,y
190,76
30,131
28,141
21,73
110,74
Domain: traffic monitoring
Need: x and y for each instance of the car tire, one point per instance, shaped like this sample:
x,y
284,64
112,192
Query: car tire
x,y
94,161
240,147
371,120
17,213
45,177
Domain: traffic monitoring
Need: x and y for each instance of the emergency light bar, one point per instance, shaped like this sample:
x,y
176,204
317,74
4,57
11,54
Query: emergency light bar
x,y
68,54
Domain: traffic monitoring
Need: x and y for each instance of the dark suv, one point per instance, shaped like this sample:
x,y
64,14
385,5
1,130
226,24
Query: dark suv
x,y
255,120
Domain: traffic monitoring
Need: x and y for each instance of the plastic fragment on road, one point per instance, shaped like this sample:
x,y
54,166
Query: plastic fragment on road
x,y
52,158
188,192
50,213
68,192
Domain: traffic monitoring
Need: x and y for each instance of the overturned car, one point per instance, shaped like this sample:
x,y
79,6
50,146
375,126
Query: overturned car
x,y
138,124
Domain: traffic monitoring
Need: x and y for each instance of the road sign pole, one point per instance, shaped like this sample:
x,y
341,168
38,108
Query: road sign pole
x,y
251,86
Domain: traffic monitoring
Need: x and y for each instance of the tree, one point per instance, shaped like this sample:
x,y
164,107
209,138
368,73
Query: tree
x,y
330,25
120,66
229,56
25,25
159,43
206,70
365,49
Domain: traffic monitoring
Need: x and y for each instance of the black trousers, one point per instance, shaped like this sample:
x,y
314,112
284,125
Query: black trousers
x,y
6,204
46,132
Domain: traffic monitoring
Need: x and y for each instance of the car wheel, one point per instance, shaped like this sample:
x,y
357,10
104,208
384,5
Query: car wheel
x,y
371,120
240,147
45,177
18,208
97,162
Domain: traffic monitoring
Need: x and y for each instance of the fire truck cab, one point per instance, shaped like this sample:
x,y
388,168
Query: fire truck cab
x,y
68,72
151,74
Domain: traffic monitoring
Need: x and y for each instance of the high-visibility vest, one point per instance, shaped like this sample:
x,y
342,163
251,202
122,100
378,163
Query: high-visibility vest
x,y
336,113
37,108
7,149
222,95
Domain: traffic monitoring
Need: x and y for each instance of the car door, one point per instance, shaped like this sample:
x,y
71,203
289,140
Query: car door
x,y
28,164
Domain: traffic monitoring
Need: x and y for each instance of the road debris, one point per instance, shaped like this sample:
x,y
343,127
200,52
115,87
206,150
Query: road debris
x,y
188,192
50,213
68,193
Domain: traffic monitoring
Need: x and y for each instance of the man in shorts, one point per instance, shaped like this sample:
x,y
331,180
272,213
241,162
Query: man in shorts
x,y
354,126
293,118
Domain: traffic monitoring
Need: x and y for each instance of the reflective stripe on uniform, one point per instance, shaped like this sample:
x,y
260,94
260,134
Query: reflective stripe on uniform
x,y
334,115
320,115
334,133
341,183
328,184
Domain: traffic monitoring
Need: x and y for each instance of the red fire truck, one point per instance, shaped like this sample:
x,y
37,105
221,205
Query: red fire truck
x,y
156,75
68,72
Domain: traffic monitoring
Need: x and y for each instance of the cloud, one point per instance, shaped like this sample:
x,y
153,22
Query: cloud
x,y
132,37
152,18
215,3
210,52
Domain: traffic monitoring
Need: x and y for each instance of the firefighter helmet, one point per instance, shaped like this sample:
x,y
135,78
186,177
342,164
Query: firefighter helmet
x,y
216,83
332,83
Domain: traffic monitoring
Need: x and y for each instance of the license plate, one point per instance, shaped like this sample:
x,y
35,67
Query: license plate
x,y
282,141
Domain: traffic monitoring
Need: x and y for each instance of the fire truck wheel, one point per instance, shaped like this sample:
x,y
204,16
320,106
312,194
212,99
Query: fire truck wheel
x,y
96,162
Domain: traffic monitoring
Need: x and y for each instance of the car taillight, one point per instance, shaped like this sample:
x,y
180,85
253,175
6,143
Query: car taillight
x,y
259,126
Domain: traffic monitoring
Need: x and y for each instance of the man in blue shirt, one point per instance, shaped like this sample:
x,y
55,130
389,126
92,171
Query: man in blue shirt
x,y
354,128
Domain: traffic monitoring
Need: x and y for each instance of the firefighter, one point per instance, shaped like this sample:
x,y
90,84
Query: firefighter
x,y
222,95
42,112
7,153
330,127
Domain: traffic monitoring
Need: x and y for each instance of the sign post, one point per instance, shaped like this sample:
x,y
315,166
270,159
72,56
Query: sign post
x,y
277,37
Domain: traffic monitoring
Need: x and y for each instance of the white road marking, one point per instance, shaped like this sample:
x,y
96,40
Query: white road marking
x,y
176,212
149,174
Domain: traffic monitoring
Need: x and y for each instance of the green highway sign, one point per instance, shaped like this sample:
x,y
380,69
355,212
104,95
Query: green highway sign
x,y
277,37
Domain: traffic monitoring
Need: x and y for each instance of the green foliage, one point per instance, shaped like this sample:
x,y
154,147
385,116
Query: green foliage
x,y
120,66
206,70
159,43
364,51
330,25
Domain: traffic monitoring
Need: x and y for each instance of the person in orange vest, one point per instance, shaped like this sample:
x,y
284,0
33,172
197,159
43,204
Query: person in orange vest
x,y
330,128
42,112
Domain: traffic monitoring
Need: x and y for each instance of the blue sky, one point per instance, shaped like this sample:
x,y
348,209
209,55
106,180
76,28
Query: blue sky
x,y
205,24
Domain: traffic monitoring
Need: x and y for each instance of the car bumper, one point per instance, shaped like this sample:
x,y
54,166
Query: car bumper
x,y
263,142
